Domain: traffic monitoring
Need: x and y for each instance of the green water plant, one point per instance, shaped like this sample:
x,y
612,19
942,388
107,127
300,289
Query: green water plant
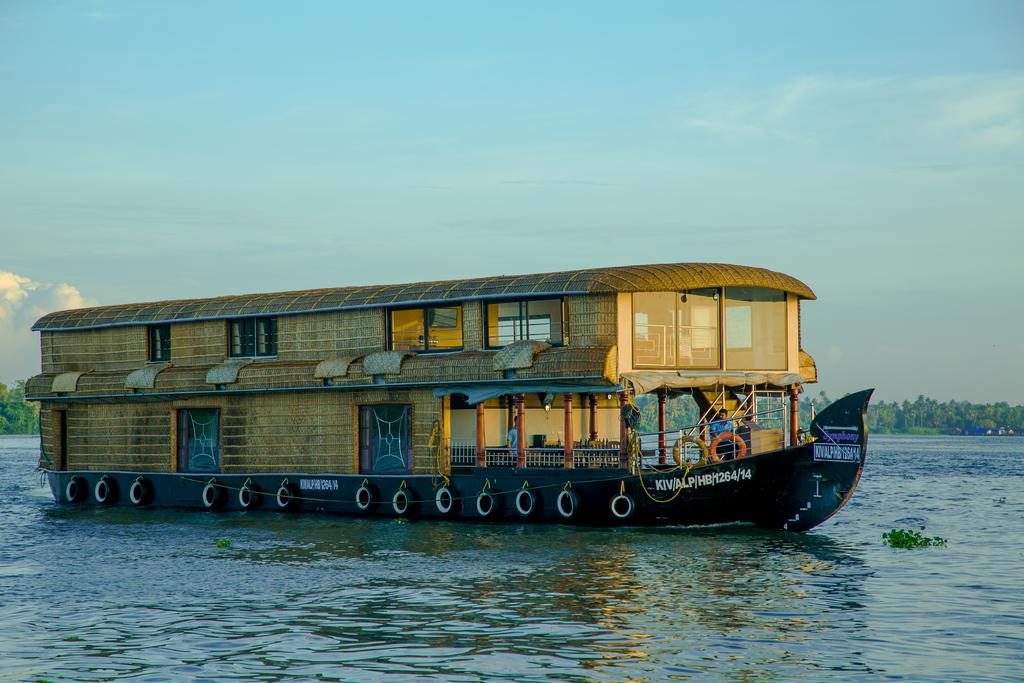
x,y
908,538
223,542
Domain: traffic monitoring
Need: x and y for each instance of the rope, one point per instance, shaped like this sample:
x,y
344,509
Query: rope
x,y
487,487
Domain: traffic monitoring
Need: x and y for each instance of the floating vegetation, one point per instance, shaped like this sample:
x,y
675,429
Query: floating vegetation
x,y
72,639
907,538
223,542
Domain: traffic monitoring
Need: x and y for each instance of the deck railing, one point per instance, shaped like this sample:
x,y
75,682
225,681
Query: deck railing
x,y
463,454
761,432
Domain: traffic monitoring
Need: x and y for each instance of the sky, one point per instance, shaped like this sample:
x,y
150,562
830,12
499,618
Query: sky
x,y
875,150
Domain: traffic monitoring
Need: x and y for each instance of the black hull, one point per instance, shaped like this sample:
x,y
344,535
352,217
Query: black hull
x,y
795,488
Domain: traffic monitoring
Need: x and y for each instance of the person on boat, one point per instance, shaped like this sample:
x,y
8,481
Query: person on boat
x,y
721,425
513,438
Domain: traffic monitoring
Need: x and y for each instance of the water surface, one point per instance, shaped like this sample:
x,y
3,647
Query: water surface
x,y
146,595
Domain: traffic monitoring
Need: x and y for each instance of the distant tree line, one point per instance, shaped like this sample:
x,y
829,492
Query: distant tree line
x,y
922,416
17,416
928,416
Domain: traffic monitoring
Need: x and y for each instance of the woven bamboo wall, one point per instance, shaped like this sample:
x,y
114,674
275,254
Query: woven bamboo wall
x,y
592,320
310,432
314,432
46,435
199,343
117,348
472,325
319,336
105,436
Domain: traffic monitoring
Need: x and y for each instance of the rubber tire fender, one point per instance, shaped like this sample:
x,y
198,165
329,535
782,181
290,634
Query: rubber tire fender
x,y
567,503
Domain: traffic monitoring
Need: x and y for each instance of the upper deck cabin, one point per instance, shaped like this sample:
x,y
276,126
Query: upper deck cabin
x,y
438,347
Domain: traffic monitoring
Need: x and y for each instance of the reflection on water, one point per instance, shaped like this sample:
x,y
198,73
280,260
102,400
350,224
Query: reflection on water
x,y
119,593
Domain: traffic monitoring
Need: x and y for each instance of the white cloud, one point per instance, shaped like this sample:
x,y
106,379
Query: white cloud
x,y
22,302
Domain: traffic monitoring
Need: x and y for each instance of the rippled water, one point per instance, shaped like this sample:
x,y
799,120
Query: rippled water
x,y
122,594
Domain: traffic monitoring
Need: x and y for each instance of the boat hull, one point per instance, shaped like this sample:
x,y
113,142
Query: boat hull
x,y
795,488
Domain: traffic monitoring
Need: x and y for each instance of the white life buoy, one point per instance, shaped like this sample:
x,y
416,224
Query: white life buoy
x,y
525,502
567,503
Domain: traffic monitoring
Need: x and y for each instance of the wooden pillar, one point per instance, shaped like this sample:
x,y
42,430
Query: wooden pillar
x,y
568,431
481,442
794,414
520,430
593,417
662,445
623,433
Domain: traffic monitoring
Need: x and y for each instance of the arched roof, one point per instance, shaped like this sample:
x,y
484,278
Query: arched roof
x,y
642,278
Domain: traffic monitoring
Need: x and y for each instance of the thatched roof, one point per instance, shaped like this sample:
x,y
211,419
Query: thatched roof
x,y
646,278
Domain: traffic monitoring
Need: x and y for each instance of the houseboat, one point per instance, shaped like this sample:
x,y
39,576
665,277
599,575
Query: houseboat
x,y
509,398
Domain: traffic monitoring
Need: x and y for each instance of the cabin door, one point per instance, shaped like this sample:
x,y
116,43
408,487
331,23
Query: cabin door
x,y
199,440
385,439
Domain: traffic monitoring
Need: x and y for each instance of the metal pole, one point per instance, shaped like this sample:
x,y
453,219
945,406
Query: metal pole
x,y
662,445
481,453
521,430
568,431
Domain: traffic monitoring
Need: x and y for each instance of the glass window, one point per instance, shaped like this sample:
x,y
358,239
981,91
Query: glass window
x,y
654,329
385,443
407,330
159,342
444,328
199,440
676,329
698,329
253,337
755,329
537,319
427,329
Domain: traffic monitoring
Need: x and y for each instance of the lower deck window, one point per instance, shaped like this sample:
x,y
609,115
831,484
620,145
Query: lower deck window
x,y
199,440
385,439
